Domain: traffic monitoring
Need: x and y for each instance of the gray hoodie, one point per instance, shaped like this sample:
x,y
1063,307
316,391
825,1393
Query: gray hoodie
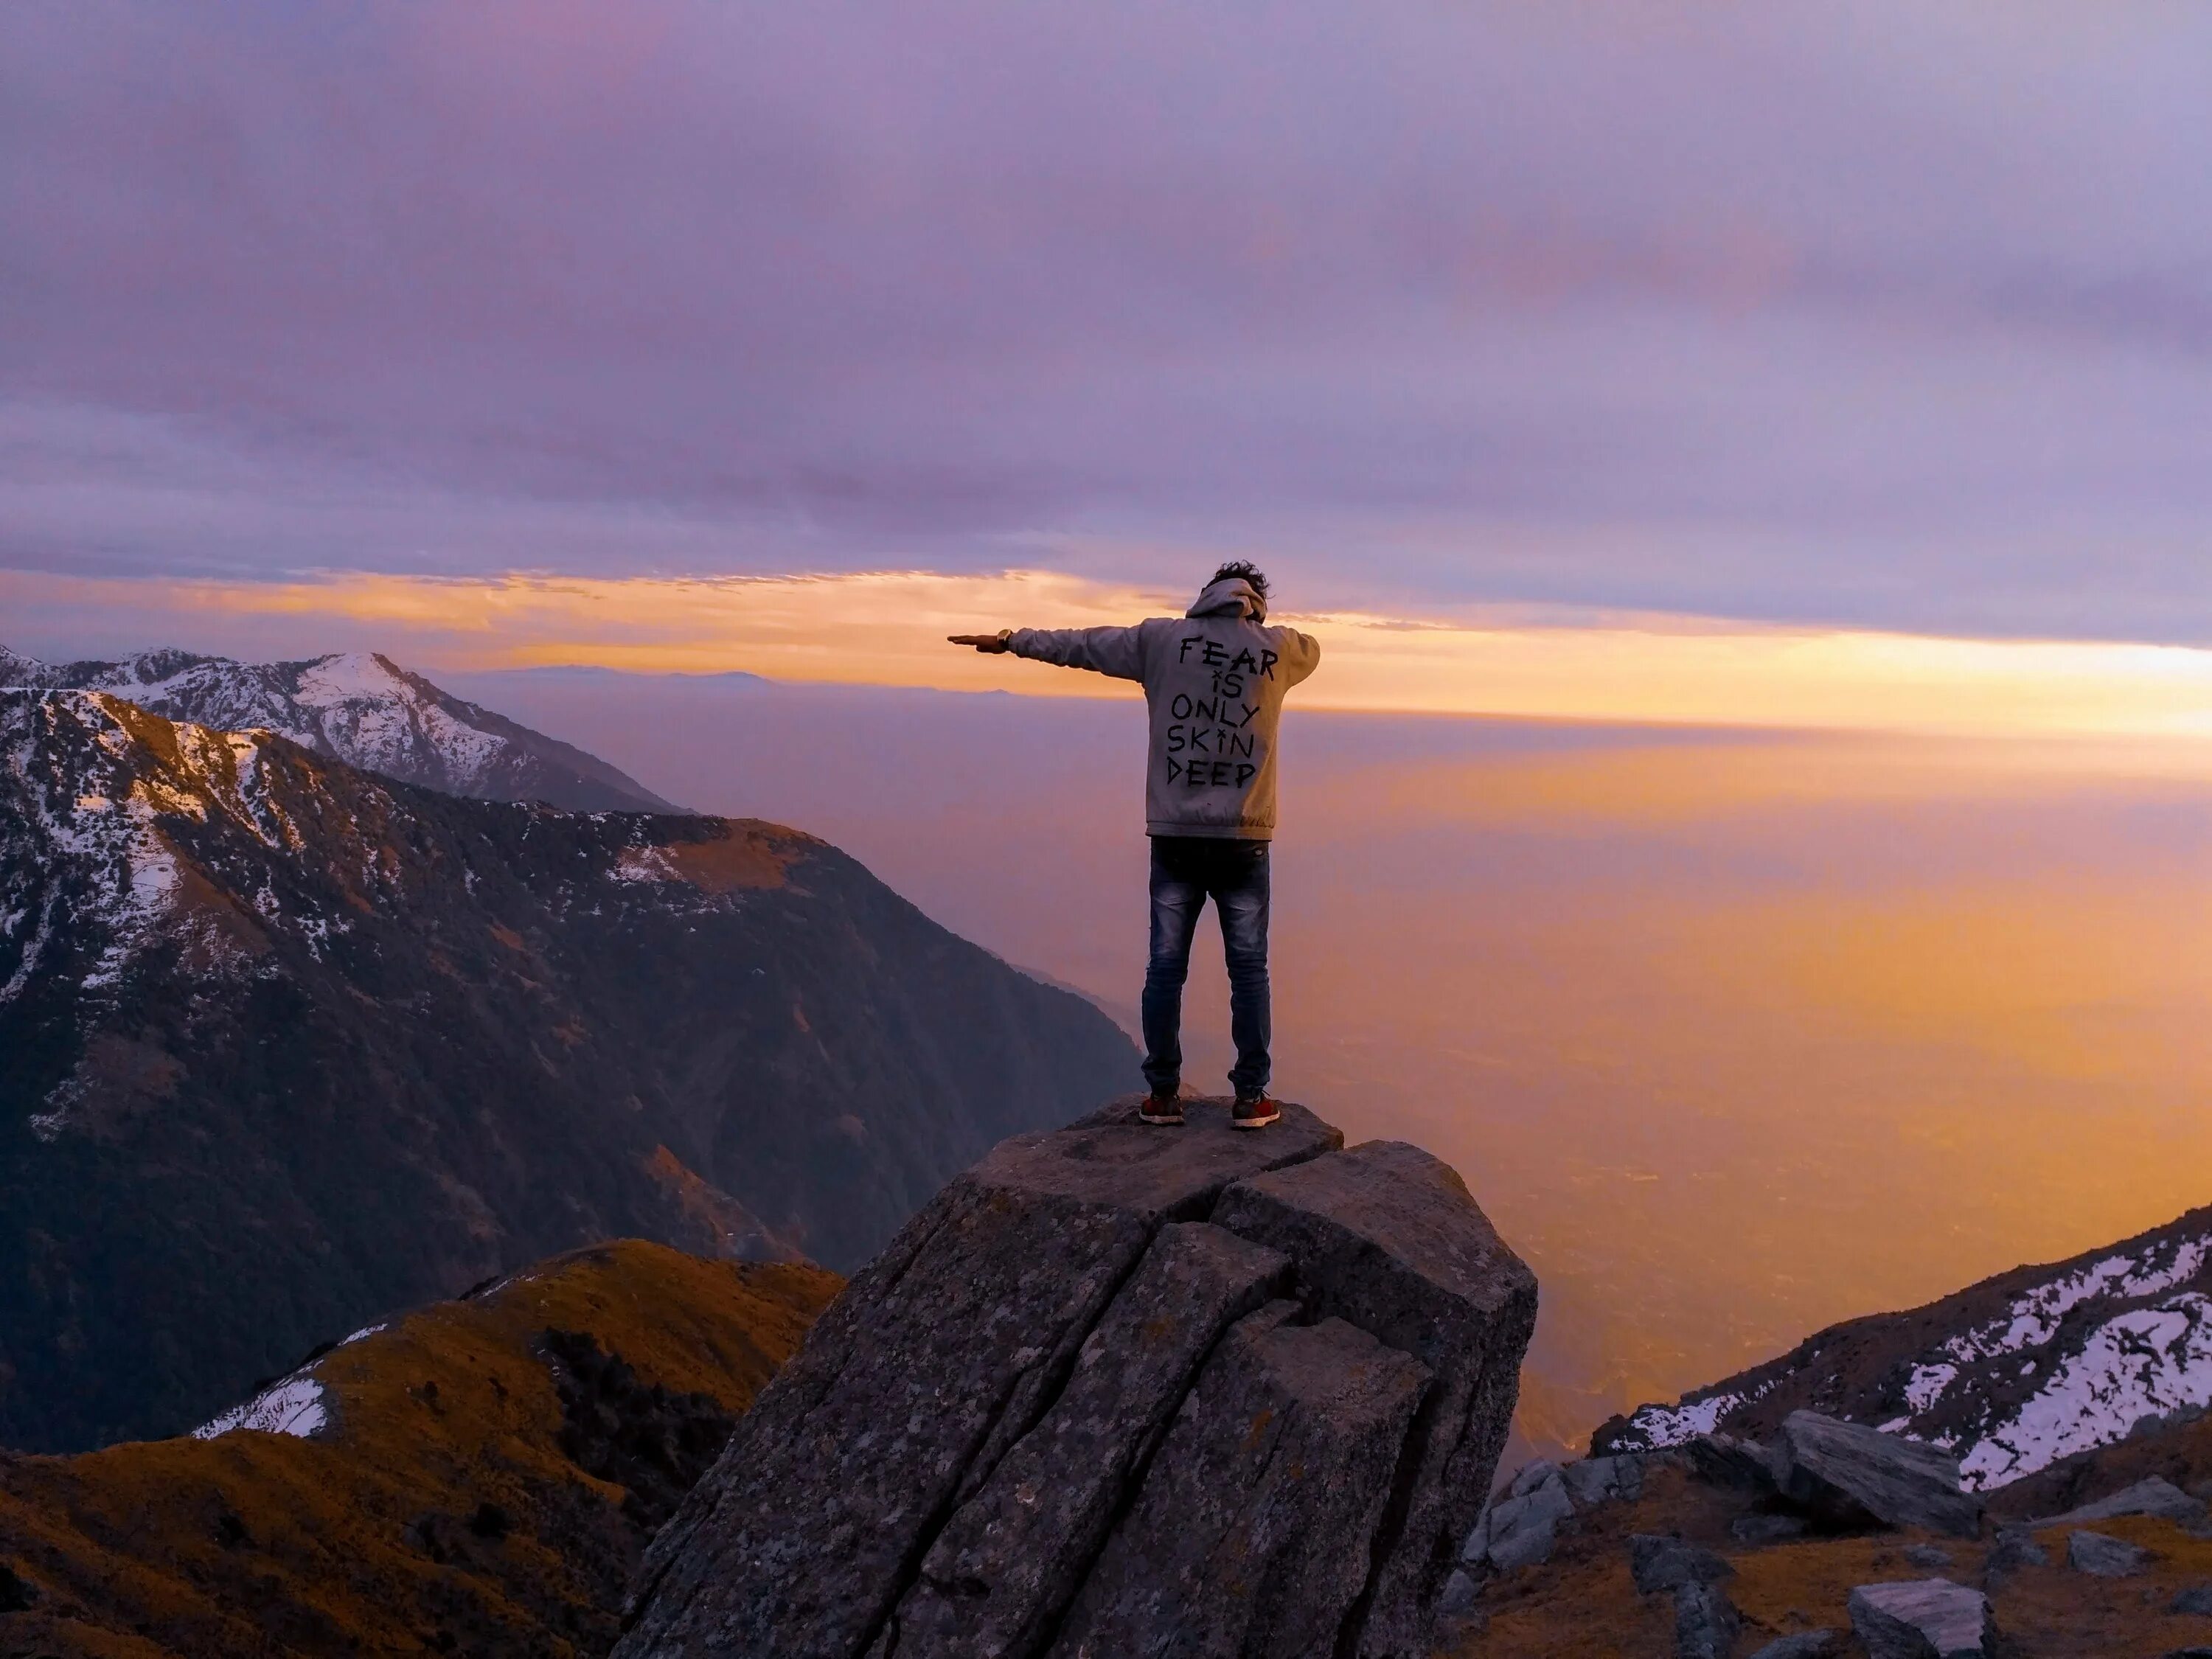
x,y
1214,680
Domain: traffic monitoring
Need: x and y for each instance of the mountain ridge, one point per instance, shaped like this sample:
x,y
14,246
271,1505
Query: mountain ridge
x,y
360,707
284,1044
2012,1373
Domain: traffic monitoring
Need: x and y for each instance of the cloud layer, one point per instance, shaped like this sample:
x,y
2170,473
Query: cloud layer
x,y
1898,316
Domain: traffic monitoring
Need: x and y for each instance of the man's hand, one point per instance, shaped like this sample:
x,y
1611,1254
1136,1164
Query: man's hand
x,y
989,643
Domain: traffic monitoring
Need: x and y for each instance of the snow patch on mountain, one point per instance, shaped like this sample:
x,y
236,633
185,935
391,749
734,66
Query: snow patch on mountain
x,y
294,1406
643,864
2143,1362
1928,1384
372,714
1676,1425
110,834
87,825
2034,1316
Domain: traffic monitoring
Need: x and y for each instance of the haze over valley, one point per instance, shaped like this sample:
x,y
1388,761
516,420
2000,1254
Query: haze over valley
x,y
1737,1033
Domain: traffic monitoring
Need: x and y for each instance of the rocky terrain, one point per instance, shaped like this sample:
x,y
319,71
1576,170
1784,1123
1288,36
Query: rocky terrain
x,y
284,1044
361,708
2011,1374
2019,1469
1838,1539
479,1477
1121,1390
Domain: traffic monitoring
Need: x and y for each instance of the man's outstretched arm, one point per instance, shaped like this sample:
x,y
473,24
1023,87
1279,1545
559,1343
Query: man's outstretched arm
x,y
1119,652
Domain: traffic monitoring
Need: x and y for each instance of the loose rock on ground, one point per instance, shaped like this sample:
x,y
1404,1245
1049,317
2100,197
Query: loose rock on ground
x,y
2104,1556
1932,1618
1805,1644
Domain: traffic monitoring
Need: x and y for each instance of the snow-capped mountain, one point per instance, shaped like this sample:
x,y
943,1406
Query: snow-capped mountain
x,y
285,1044
364,709
2011,1374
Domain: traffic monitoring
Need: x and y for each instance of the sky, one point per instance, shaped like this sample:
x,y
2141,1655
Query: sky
x,y
1891,321
1747,465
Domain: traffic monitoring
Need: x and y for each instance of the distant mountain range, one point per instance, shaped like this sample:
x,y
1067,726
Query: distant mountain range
x,y
285,1043
2011,1376
361,708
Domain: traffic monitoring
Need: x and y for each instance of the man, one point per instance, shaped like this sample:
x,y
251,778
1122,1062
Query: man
x,y
1214,680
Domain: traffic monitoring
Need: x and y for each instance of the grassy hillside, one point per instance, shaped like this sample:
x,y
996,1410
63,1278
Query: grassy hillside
x,y
489,1472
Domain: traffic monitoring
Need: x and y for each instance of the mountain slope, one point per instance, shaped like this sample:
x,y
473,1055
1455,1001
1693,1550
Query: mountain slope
x,y
481,1481
283,1044
361,708
2012,1374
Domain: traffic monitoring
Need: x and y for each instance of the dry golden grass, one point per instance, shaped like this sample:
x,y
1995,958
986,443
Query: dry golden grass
x,y
260,1544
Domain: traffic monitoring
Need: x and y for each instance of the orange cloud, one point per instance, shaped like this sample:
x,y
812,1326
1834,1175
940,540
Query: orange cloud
x,y
887,628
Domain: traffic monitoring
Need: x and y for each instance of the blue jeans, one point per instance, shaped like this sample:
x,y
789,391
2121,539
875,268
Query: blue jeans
x,y
1187,871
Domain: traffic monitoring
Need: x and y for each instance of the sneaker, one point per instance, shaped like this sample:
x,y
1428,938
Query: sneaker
x,y
1161,1108
1254,1113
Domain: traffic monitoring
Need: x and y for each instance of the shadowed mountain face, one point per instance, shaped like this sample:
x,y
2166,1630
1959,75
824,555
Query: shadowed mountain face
x,y
283,1044
361,708
2012,1376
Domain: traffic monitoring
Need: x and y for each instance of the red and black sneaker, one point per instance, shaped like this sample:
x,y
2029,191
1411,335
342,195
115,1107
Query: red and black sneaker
x,y
1256,1114
1162,1109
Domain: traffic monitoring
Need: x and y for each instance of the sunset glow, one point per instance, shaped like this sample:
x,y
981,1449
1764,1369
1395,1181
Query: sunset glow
x,y
888,629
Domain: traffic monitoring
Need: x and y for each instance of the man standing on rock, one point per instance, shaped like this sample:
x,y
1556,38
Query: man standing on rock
x,y
1214,680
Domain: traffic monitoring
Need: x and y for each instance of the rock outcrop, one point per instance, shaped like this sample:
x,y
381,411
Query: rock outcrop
x,y
1122,1390
1519,1529
2152,1496
1849,1474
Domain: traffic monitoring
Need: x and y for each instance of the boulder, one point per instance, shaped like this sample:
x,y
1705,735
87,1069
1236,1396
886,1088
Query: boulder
x,y
1658,1563
1933,1556
2015,1547
2196,1599
1766,1528
2103,1556
1012,1555
2152,1496
1387,1237
1246,1534
1604,1479
1462,1591
1848,1474
1805,1644
1706,1623
1114,1382
1722,1460
1529,1476
1930,1618
1519,1532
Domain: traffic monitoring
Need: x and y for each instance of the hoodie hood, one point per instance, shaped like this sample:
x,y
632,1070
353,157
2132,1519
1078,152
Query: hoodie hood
x,y
1232,596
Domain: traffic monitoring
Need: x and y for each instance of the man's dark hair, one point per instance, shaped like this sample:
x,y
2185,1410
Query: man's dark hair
x,y
1246,569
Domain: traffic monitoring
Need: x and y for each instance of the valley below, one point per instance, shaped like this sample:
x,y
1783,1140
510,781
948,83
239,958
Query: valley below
x,y
1735,1033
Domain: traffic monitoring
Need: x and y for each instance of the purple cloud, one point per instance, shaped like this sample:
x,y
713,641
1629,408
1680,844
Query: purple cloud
x,y
1900,317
